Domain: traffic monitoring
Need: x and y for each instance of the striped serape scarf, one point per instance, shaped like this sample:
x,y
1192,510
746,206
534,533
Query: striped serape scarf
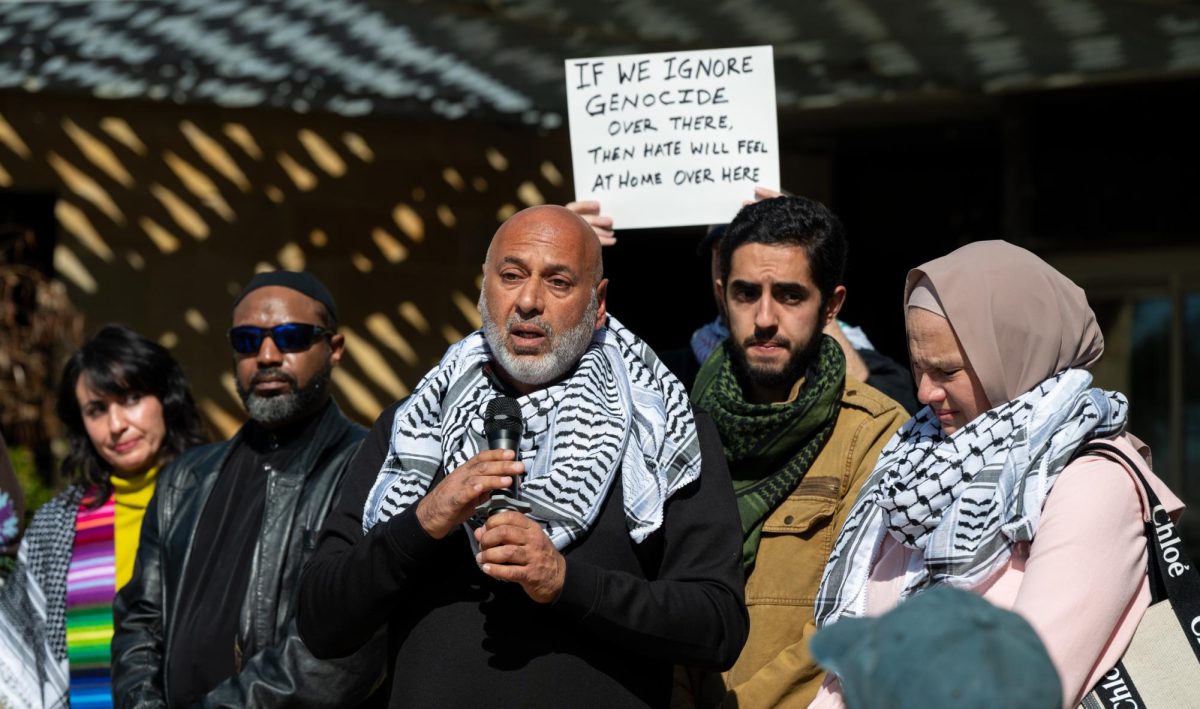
x,y
91,587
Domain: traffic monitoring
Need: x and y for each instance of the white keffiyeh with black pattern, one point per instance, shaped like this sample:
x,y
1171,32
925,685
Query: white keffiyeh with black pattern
x,y
33,609
965,499
620,410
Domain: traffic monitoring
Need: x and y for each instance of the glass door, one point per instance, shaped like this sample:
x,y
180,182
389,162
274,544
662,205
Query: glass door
x,y
1148,306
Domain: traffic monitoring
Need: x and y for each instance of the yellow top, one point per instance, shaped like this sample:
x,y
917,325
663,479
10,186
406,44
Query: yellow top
x,y
130,498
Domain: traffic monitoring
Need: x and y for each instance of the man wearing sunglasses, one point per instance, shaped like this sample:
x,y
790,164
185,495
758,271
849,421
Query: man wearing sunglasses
x,y
625,559
208,616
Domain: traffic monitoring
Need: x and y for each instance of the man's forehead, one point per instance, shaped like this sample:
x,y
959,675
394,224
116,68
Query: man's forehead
x,y
546,240
276,303
770,262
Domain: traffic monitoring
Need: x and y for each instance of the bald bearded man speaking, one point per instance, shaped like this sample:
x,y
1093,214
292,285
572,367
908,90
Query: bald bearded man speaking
x,y
628,560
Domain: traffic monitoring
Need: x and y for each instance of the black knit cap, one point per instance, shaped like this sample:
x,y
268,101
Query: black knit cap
x,y
299,281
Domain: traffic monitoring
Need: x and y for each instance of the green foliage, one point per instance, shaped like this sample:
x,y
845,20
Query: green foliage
x,y
36,492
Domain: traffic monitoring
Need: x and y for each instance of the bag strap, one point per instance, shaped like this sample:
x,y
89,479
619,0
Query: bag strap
x,y
1154,569
1169,566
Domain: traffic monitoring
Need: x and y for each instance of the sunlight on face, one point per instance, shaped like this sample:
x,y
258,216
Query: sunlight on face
x,y
944,377
541,299
126,430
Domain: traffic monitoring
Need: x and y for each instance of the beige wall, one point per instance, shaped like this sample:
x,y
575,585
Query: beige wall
x,y
165,211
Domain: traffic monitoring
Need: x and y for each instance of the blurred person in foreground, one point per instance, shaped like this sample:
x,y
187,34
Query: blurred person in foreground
x,y
800,434
942,648
127,411
627,561
981,490
208,618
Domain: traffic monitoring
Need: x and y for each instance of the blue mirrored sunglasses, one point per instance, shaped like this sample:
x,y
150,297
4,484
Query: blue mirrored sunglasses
x,y
288,337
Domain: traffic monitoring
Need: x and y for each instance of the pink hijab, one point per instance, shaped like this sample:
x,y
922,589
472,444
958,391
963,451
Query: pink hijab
x,y
1018,320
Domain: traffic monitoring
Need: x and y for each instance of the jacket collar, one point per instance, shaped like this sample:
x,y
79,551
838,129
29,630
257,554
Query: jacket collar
x,y
296,435
328,428
323,430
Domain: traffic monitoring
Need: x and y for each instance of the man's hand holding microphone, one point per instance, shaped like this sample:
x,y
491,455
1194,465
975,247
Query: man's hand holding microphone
x,y
512,547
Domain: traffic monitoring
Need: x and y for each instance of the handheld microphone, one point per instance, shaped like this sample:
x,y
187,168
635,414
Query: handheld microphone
x,y
502,424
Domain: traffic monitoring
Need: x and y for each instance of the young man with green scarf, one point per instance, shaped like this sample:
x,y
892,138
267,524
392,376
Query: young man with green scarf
x,y
800,437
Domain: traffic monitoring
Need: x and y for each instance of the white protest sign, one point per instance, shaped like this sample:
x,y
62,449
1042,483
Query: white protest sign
x,y
676,138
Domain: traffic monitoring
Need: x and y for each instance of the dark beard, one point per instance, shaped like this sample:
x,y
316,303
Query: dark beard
x,y
783,378
289,406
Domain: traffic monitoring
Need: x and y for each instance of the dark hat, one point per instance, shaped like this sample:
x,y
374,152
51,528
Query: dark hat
x,y
299,281
942,648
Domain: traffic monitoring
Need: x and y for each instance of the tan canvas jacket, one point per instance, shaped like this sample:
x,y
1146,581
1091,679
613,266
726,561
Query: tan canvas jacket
x,y
775,668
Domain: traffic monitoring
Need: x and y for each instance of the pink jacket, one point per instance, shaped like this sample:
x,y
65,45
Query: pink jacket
x,y
1081,583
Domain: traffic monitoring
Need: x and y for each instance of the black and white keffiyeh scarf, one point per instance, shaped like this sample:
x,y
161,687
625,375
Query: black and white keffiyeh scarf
x,y
619,410
33,609
963,500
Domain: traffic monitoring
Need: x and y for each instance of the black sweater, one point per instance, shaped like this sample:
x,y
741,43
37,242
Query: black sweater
x,y
457,638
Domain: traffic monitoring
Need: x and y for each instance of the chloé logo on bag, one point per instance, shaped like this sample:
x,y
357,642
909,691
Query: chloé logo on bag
x,y
1169,541
1115,691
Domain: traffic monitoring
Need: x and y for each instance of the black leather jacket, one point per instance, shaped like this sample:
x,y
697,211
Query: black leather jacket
x,y
276,669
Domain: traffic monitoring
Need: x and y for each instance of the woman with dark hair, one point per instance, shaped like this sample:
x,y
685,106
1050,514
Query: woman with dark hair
x,y
127,410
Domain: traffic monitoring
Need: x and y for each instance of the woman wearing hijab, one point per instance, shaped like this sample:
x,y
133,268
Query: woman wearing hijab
x,y
127,410
982,489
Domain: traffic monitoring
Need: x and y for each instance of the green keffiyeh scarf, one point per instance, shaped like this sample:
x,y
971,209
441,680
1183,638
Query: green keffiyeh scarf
x,y
770,446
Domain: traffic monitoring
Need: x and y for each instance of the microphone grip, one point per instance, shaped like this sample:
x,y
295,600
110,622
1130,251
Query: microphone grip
x,y
504,440
507,498
509,441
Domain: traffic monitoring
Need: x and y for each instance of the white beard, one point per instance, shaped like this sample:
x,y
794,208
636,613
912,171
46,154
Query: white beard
x,y
564,352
